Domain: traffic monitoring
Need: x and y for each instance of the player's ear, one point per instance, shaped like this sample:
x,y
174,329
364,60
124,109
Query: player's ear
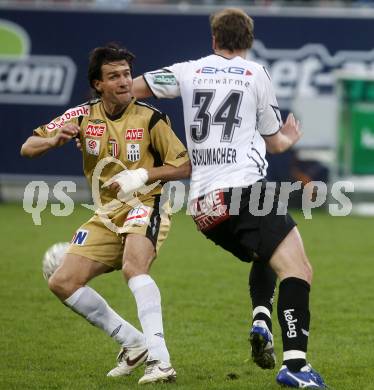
x,y
213,43
97,85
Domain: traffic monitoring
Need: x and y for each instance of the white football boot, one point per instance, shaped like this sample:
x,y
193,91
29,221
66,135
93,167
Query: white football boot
x,y
157,371
128,359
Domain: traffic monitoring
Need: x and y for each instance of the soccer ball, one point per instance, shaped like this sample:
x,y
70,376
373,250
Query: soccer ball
x,y
52,258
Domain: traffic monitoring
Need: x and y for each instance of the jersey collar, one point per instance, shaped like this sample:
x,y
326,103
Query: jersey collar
x,y
121,113
227,58
220,55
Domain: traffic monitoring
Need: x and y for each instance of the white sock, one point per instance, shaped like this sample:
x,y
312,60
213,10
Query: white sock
x,y
148,300
93,307
261,309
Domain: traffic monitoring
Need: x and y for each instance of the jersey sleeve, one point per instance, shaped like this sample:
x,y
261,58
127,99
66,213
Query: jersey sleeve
x,y
72,115
269,119
165,143
164,83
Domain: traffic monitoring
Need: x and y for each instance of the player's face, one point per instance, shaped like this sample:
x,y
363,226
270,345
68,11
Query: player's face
x,y
116,83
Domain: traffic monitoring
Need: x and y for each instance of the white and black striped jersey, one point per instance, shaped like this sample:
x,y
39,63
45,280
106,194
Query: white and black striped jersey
x,y
229,105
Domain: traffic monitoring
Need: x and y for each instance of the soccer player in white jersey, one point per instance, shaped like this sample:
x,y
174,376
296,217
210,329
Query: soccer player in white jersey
x,y
231,119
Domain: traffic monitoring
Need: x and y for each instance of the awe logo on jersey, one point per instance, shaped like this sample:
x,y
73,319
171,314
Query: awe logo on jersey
x,y
309,70
113,147
80,237
134,134
138,216
133,152
95,130
92,146
226,70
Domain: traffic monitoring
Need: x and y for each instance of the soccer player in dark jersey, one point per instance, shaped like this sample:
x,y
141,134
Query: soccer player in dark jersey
x,y
232,119
116,131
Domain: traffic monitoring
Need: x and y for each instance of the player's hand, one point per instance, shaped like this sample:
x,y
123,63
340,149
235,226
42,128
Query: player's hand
x,y
78,143
65,134
127,182
291,129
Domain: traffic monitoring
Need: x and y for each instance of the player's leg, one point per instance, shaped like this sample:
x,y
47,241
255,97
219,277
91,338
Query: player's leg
x,y
74,272
137,259
146,227
96,250
262,284
239,235
68,283
292,266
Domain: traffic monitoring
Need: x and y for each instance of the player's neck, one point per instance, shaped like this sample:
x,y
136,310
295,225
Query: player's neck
x,y
231,54
114,109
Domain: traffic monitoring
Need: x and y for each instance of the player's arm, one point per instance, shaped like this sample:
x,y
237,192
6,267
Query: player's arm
x,y
169,172
37,145
161,83
132,180
173,154
278,136
286,137
140,88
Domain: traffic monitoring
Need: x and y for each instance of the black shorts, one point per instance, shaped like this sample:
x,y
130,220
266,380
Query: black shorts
x,y
248,236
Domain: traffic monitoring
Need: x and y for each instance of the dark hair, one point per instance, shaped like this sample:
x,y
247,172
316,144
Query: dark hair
x,y
100,56
232,29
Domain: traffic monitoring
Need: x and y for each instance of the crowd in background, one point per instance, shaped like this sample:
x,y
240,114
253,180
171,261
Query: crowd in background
x,y
315,3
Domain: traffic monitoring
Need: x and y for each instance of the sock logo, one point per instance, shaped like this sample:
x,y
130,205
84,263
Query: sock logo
x,y
305,332
115,331
291,323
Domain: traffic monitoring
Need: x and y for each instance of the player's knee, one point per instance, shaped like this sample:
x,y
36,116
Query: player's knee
x,y
55,284
61,285
130,269
305,270
308,272
133,266
127,270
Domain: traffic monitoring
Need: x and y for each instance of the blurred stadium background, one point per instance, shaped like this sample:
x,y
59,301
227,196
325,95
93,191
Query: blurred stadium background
x,y
321,58
306,45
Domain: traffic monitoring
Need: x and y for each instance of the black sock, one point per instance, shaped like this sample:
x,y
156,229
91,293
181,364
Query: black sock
x,y
294,319
262,283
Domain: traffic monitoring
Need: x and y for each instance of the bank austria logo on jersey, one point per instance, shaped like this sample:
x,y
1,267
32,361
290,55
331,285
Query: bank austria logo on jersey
x,y
307,71
224,70
71,113
31,79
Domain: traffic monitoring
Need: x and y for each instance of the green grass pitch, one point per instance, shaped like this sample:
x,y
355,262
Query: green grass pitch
x,y
205,303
